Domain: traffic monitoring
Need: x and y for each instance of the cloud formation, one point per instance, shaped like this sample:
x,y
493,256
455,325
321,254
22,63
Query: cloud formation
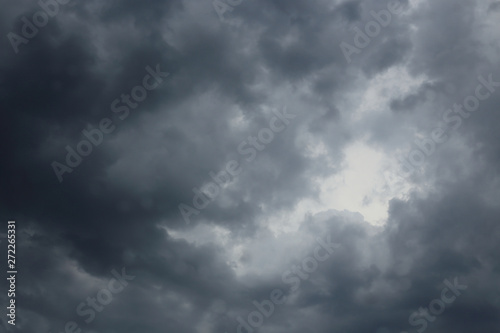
x,y
336,171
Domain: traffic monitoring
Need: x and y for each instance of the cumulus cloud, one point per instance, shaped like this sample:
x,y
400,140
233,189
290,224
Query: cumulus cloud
x,y
333,174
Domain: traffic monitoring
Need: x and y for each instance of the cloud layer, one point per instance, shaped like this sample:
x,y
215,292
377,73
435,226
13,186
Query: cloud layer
x,y
336,172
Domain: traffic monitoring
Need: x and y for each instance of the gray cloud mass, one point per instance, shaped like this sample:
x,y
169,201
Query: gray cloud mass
x,y
330,175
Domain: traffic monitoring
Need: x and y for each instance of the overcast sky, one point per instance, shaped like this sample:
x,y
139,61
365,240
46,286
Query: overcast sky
x,y
332,163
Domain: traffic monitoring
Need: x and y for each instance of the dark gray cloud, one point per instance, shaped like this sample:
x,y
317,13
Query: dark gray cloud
x,y
331,172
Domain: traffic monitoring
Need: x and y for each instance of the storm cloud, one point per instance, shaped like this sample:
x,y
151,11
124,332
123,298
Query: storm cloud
x,y
325,191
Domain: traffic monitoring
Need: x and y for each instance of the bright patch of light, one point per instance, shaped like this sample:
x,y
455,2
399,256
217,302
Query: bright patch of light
x,y
366,184
363,186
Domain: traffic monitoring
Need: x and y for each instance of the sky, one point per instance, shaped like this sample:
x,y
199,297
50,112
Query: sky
x,y
251,166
